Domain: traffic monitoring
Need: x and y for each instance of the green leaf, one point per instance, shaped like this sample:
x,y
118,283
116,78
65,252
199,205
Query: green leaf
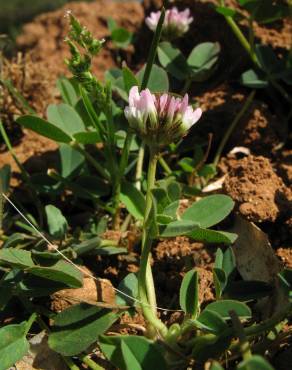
x,y
44,128
57,223
61,271
255,362
13,344
129,285
189,293
71,160
212,236
268,59
16,257
187,164
5,175
211,321
132,353
229,262
224,306
79,326
173,60
220,281
251,79
210,210
226,11
158,80
133,200
203,59
66,118
88,137
177,228
121,37
171,209
173,191
67,91
130,79
111,24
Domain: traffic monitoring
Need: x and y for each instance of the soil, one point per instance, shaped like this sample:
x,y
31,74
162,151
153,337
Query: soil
x,y
260,183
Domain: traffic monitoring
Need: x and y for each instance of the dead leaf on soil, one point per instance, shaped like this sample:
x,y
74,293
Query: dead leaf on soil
x,y
254,255
256,260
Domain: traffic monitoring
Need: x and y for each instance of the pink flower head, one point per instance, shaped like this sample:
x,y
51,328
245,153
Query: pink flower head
x,y
160,119
175,24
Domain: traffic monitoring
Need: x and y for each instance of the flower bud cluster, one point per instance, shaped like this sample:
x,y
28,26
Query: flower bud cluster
x,y
175,24
160,119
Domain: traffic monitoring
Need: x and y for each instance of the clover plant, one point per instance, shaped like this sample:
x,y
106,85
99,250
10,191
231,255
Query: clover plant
x,y
105,133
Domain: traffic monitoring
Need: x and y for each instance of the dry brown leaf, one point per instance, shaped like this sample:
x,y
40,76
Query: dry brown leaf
x,y
254,255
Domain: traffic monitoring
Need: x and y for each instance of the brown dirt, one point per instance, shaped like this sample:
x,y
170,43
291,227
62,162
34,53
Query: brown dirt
x,y
259,129
260,194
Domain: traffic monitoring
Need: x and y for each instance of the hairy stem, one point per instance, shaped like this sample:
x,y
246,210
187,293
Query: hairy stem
x,y
139,167
146,285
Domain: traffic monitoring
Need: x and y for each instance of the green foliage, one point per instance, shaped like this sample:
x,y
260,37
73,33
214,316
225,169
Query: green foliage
x,y
210,210
44,128
132,352
255,362
223,308
79,326
158,79
120,36
202,60
57,223
13,344
189,293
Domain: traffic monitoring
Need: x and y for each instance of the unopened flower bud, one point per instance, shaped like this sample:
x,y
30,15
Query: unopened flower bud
x,y
160,119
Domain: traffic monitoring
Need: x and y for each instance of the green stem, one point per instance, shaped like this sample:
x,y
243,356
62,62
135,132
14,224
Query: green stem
x,y
240,36
269,323
146,285
164,165
230,129
91,160
24,174
90,363
153,50
239,331
250,50
186,86
139,167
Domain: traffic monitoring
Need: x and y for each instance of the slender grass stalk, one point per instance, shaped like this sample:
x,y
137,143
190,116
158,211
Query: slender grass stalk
x,y
153,50
230,129
24,174
146,285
